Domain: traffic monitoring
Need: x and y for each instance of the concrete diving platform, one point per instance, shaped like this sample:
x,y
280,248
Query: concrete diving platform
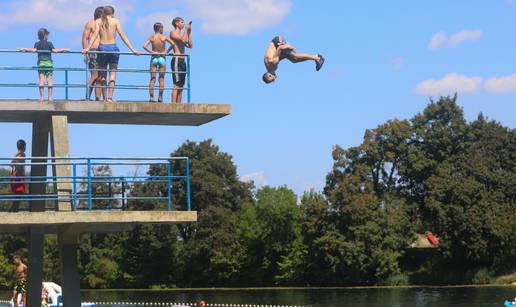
x,y
97,221
129,113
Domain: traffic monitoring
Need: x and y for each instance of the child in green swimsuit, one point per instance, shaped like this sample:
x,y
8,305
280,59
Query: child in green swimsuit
x,y
44,48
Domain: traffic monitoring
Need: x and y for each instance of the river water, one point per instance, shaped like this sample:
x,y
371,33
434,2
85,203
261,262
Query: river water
x,y
355,297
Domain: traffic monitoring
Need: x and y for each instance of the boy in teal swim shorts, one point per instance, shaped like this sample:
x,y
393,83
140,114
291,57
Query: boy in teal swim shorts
x,y
157,62
44,48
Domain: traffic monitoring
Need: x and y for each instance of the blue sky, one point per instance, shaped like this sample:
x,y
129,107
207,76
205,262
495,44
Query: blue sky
x,y
383,60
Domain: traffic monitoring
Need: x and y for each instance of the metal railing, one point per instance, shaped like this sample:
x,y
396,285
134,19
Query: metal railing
x,y
66,85
91,185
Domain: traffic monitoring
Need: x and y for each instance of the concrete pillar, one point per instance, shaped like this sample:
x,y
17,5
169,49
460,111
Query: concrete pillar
x,y
40,131
35,264
68,240
60,148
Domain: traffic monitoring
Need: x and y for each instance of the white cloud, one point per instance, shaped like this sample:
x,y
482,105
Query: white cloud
x,y
66,15
450,84
257,177
237,16
144,24
466,35
499,85
441,39
437,40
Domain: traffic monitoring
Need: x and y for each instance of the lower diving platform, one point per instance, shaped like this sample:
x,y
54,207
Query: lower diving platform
x,y
97,221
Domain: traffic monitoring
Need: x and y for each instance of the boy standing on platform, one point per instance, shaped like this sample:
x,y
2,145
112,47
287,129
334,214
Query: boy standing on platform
x,y
91,58
44,48
158,61
107,28
178,62
18,185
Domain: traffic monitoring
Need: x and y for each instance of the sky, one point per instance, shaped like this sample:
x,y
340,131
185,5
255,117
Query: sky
x,y
384,60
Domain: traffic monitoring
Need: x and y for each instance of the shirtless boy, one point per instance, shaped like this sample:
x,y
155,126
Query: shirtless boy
x,y
158,61
178,62
107,28
277,50
91,58
21,280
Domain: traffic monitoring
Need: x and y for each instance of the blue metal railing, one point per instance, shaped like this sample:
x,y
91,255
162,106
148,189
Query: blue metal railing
x,y
86,70
97,187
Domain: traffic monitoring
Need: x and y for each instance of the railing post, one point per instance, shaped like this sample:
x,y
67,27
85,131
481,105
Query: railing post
x,y
89,184
188,76
87,95
169,184
122,179
74,192
188,182
66,84
110,192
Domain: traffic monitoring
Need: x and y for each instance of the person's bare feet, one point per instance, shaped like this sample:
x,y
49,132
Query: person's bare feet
x,y
50,99
319,63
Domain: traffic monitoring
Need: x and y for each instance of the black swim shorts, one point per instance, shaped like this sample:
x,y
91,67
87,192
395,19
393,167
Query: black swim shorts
x,y
278,40
178,71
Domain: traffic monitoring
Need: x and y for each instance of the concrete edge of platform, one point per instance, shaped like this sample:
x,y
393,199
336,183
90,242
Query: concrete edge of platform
x,y
91,221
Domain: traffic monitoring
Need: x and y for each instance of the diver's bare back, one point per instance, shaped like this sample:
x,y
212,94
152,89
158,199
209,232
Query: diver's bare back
x,y
158,43
21,272
108,36
271,58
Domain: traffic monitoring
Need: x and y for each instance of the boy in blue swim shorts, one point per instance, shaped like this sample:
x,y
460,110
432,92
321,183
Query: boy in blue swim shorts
x,y
107,29
158,42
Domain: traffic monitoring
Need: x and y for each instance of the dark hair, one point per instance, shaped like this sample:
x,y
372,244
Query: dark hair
x,y
21,145
16,256
42,32
264,78
107,11
98,12
157,26
175,21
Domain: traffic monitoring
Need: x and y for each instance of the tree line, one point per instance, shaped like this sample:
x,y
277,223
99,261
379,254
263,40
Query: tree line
x,y
434,172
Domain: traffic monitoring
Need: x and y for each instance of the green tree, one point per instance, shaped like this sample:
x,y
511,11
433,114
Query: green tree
x,y
364,188
471,198
281,239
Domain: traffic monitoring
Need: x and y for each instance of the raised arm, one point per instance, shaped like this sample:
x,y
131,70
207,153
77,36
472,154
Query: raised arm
x,y
125,39
189,42
178,37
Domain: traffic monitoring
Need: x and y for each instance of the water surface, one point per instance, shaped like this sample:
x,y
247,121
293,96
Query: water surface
x,y
356,297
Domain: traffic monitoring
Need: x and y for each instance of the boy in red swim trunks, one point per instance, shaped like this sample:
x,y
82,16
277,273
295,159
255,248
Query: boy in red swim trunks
x,y
18,187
